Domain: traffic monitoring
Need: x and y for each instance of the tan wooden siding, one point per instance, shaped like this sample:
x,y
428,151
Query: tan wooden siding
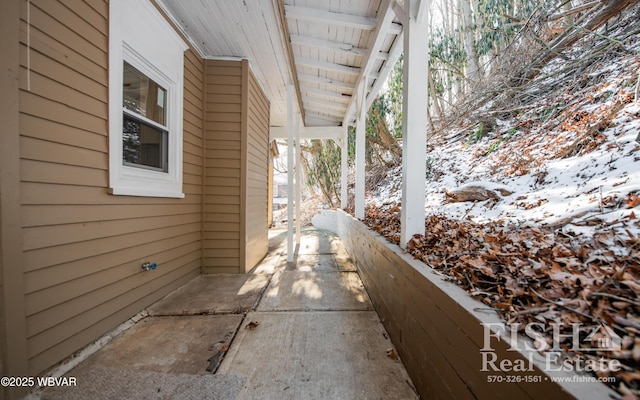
x,y
222,177
82,248
236,127
13,346
257,176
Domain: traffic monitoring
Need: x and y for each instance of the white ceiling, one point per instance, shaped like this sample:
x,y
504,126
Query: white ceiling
x,y
332,42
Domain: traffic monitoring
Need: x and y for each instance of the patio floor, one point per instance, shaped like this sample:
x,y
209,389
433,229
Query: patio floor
x,y
301,330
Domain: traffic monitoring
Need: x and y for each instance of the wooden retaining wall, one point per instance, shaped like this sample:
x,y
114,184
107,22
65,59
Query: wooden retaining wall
x,y
438,329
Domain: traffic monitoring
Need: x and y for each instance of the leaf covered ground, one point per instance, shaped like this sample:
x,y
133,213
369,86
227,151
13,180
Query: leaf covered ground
x,y
562,243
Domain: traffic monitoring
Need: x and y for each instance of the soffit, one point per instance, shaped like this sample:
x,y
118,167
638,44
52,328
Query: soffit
x,y
334,44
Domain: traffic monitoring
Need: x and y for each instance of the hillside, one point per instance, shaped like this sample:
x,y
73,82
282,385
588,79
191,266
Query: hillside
x,y
533,199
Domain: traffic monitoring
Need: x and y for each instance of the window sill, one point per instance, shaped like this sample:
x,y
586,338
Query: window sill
x,y
142,192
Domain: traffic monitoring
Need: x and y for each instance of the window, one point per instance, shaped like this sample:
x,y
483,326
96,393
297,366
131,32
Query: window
x,y
144,128
145,102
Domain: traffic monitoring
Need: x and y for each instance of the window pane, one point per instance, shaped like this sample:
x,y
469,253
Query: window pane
x,y
143,96
143,144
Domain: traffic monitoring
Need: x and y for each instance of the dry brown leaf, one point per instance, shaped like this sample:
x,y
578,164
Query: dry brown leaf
x,y
633,285
252,325
630,376
635,353
391,353
480,264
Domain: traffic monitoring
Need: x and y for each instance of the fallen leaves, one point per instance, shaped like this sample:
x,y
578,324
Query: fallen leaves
x,y
391,353
252,325
538,274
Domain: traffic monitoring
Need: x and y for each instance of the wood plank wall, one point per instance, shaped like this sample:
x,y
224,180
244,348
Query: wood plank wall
x,y
82,248
437,328
236,173
257,179
223,167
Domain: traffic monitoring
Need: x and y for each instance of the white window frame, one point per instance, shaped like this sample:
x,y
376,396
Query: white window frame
x,y
140,35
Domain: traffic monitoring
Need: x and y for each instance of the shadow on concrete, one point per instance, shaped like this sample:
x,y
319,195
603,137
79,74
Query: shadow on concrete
x,y
288,330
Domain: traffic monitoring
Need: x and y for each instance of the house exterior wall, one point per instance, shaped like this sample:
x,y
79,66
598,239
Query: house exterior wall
x,y
222,147
82,248
236,155
13,341
70,252
257,180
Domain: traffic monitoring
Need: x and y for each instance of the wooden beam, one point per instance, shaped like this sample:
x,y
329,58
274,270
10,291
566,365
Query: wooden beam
x,y
399,11
385,21
344,167
423,7
330,17
394,28
361,113
308,132
326,119
339,47
326,103
326,94
323,110
290,194
394,54
414,124
284,28
382,56
298,179
339,85
325,65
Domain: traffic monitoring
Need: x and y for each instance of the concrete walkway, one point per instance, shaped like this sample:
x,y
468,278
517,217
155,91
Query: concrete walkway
x,y
301,330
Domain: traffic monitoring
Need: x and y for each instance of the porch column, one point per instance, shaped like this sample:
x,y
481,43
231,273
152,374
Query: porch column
x,y
414,119
360,149
298,178
290,171
344,177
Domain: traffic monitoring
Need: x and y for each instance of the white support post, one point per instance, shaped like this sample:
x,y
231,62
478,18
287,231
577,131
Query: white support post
x,y
290,172
414,121
298,177
344,177
360,148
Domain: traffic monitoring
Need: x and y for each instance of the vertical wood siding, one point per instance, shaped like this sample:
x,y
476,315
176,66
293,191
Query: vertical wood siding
x,y
223,167
257,173
82,247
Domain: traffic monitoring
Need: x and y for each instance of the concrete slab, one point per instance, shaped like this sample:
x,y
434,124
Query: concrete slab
x,y
344,262
313,262
180,345
108,384
298,291
272,262
314,241
316,355
213,294
277,241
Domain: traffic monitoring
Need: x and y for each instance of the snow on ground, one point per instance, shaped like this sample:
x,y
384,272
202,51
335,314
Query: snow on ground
x,y
593,186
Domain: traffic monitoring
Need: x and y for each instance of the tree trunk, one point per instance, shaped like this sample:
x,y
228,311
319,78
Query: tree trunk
x,y
473,68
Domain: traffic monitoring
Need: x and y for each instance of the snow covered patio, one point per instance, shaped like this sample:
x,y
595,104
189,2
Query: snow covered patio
x,y
301,330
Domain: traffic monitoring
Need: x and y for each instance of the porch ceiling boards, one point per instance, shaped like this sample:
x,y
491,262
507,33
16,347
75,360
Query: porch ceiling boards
x,y
323,47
